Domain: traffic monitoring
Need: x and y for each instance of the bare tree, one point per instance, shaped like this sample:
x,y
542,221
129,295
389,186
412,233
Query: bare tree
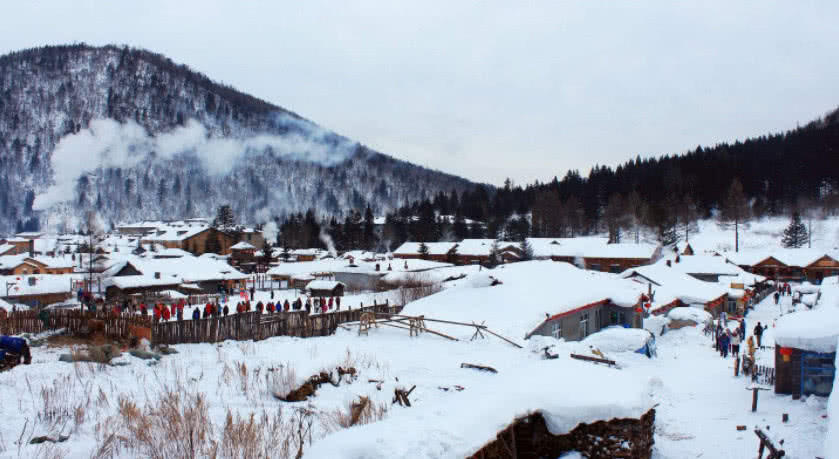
x,y
615,217
734,211
637,209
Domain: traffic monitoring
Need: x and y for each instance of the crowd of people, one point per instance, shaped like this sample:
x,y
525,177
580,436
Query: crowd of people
x,y
163,312
781,290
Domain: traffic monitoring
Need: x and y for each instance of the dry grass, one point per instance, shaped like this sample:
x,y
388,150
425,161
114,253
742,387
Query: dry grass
x,y
413,287
362,411
283,380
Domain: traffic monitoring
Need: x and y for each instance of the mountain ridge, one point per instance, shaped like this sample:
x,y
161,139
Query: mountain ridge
x,y
62,98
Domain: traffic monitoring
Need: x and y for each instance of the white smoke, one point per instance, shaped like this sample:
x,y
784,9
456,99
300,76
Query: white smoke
x,y
327,239
108,143
270,231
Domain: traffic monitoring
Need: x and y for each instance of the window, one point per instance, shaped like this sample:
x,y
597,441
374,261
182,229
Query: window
x,y
615,269
594,267
556,328
584,325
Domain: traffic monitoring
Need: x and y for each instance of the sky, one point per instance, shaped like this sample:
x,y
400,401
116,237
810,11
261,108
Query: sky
x,y
490,89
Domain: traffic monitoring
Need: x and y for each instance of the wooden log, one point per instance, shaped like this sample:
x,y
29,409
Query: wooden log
x,y
478,367
593,359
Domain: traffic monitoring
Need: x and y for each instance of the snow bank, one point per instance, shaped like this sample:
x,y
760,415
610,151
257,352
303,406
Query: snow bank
x,y
618,339
700,316
815,330
806,287
473,417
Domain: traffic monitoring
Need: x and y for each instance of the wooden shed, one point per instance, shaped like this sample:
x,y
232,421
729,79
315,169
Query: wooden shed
x,y
325,288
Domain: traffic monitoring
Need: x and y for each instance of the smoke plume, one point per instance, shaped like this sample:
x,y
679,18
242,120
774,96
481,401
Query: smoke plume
x,y
108,143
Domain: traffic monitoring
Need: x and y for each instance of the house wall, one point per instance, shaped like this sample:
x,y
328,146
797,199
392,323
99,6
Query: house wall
x,y
787,374
40,299
599,316
359,281
198,244
821,268
615,265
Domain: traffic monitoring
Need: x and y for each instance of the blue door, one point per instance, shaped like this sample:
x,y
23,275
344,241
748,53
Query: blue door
x,y
817,373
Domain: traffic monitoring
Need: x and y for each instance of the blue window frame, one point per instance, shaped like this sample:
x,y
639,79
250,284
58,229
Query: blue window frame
x,y
817,373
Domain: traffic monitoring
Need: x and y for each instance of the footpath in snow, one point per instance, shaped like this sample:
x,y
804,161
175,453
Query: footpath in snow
x,y
701,402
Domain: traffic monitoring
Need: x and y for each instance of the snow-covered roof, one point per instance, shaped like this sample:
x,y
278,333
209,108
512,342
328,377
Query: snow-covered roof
x,y
140,280
697,315
6,247
815,330
704,264
528,291
434,248
242,246
323,285
168,233
481,247
688,289
590,247
789,257
44,284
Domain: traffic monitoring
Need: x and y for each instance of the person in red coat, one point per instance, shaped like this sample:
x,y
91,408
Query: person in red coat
x,y
164,311
270,308
156,313
330,302
208,309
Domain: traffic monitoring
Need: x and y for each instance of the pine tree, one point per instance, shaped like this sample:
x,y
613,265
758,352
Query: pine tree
x,y
795,235
451,255
423,251
224,217
526,250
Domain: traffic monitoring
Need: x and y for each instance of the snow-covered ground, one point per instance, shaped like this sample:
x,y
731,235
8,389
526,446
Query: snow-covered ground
x,y
700,402
762,234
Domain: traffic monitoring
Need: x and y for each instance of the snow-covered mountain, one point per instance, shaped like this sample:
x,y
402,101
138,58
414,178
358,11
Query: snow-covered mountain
x,y
133,135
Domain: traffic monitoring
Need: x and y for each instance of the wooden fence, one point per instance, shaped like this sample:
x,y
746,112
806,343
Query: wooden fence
x,y
244,326
256,326
73,320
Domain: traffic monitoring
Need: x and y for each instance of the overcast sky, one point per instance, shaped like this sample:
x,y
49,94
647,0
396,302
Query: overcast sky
x,y
490,89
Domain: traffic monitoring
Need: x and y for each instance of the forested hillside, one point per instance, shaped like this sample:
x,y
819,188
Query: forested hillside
x,y
133,135
657,198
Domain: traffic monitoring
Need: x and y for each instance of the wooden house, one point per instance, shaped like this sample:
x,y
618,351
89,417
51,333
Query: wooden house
x,y
579,322
325,288
805,352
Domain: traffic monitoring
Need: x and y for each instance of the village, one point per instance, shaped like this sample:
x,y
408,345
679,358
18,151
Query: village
x,y
669,350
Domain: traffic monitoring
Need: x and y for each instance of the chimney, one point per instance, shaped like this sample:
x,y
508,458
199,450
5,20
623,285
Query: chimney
x,y
157,275
31,247
669,264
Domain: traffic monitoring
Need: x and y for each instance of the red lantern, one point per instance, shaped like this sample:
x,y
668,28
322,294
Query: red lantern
x,y
785,352
638,309
647,305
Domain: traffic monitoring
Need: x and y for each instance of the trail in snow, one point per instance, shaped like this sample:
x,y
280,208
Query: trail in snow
x,y
701,402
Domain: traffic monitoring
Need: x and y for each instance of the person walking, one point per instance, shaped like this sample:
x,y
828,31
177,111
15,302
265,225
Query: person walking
x,y
196,313
742,329
758,332
777,296
735,345
226,310
725,341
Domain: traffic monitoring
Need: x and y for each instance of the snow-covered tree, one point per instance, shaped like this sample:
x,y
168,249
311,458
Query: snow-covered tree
x,y
795,235
526,250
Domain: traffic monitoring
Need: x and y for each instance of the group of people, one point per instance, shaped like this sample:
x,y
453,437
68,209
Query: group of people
x,y
783,289
728,341
175,311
